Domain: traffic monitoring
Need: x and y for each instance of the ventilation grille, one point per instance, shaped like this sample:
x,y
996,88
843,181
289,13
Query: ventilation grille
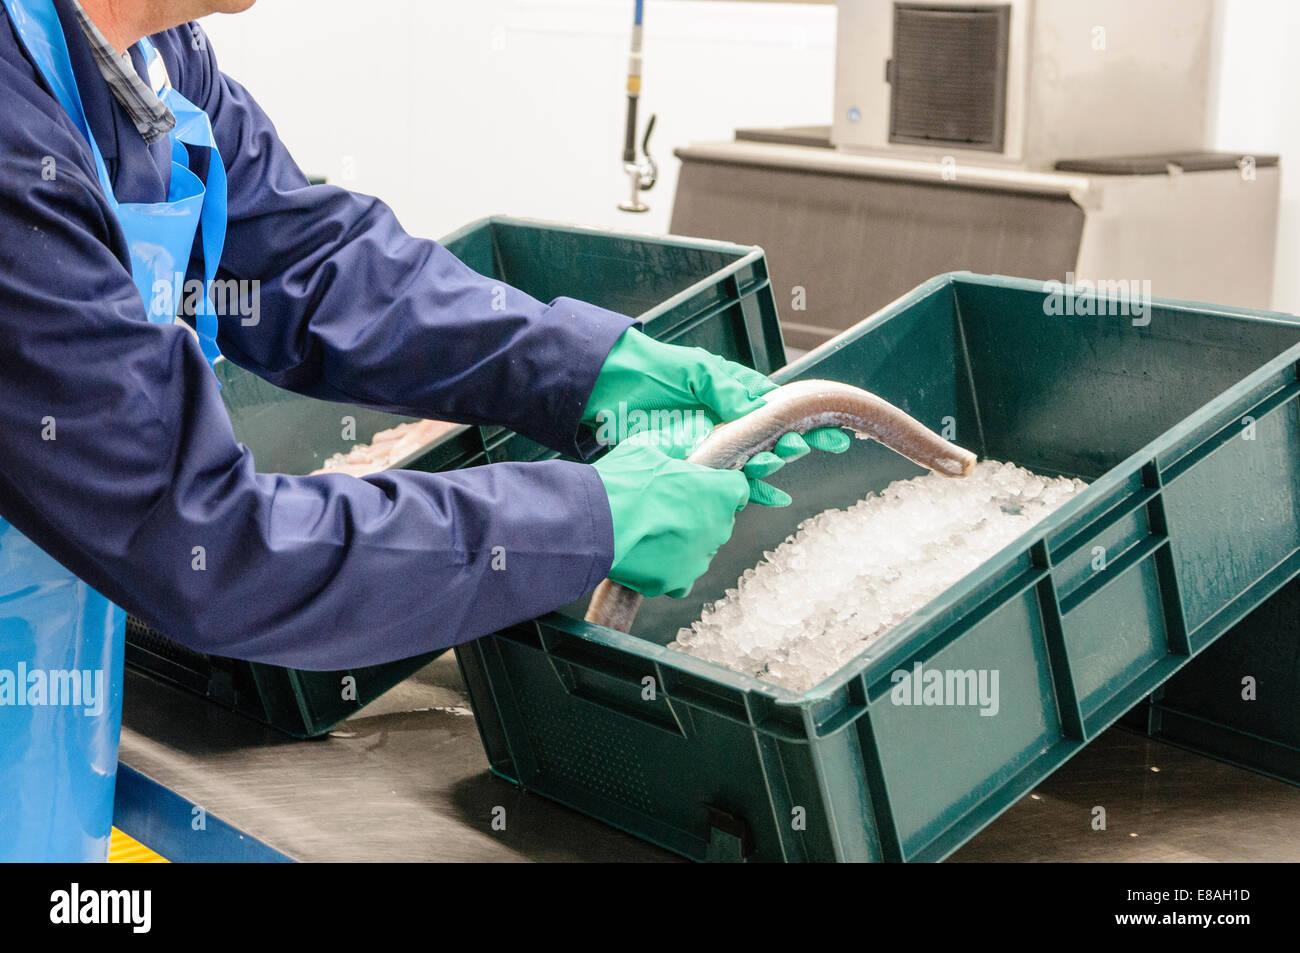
x,y
949,75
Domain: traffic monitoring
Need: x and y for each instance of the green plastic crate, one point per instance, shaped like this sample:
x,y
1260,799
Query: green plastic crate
x,y
1207,706
1197,525
686,291
692,291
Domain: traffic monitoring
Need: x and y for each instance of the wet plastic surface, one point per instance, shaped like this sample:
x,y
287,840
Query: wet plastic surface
x,y
60,708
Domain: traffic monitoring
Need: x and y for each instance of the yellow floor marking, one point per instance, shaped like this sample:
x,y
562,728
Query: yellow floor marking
x,y
123,849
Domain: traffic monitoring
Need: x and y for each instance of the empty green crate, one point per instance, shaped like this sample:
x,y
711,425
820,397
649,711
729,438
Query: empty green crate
x,y
686,291
706,294
1197,524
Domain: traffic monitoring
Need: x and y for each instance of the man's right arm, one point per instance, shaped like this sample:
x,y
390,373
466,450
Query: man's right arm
x,y
119,460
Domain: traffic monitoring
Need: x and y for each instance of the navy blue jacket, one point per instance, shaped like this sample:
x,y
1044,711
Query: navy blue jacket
x,y
323,572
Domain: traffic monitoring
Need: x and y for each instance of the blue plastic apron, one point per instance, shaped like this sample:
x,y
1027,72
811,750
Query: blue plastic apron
x,y
61,643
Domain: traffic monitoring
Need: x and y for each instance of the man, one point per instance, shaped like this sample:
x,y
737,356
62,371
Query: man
x,y
118,457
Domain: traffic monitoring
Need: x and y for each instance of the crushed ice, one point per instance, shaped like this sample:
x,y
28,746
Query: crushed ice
x,y
849,576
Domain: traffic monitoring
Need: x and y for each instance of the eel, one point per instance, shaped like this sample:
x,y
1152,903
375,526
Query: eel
x,y
798,407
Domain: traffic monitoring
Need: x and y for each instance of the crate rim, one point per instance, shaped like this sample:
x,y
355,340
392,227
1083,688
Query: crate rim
x,y
553,225
952,278
860,666
746,255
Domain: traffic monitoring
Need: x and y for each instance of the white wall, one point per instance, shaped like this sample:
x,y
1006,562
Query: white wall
x,y
450,110
455,109
1258,110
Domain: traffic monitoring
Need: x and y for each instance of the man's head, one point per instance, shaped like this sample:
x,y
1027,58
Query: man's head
x,y
123,22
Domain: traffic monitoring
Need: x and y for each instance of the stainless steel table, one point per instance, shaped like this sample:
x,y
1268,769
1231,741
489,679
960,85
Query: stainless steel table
x,y
406,780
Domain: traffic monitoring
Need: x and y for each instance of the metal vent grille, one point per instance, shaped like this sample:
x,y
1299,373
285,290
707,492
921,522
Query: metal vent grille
x,y
949,75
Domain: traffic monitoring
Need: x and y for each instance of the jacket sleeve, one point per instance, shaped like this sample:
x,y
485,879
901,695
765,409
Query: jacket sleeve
x,y
119,460
354,309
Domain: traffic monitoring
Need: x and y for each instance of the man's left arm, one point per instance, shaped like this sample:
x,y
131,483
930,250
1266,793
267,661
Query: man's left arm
x,y
353,309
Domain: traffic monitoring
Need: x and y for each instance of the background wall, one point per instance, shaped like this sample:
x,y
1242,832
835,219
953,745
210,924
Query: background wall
x,y
451,110
1258,110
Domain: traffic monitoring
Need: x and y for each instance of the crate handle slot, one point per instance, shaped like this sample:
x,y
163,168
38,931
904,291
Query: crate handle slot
x,y
580,674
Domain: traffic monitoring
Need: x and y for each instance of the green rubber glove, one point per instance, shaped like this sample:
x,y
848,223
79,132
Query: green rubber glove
x,y
642,379
670,517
